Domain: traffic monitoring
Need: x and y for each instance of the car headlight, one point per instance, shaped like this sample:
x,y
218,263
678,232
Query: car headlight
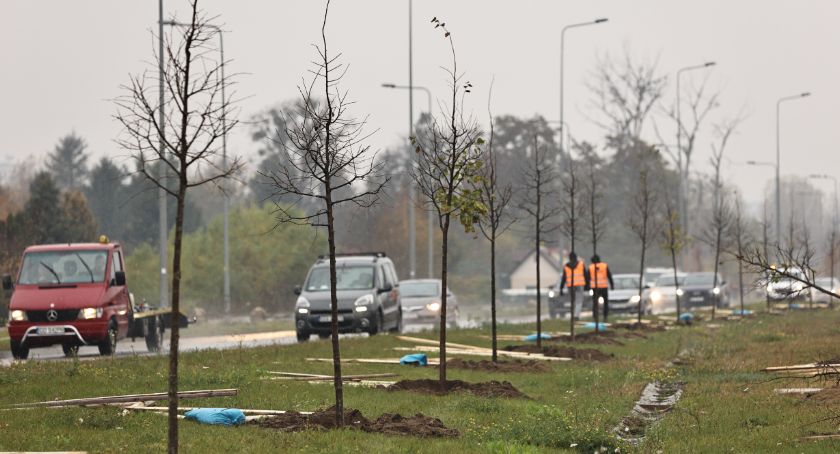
x,y
17,315
655,296
362,302
433,306
679,292
591,292
551,293
90,313
716,290
635,299
302,305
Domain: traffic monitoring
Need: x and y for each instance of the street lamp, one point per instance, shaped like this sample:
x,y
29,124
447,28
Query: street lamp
x,y
680,189
778,163
226,265
411,208
162,197
562,47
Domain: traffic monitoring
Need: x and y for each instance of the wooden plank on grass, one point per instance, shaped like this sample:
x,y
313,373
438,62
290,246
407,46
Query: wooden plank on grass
x,y
822,437
517,355
418,340
247,411
797,390
127,398
344,377
432,361
812,366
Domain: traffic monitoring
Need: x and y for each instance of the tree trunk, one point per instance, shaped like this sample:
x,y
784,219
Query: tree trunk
x,y
676,284
595,297
641,281
717,264
174,334
443,270
337,381
493,293
539,296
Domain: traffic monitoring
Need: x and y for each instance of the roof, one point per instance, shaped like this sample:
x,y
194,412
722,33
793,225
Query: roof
x,y
545,255
70,246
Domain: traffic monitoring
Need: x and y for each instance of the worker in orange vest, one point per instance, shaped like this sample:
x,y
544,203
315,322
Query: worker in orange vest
x,y
600,281
575,277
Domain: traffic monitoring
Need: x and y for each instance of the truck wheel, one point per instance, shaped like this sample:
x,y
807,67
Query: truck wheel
x,y
375,324
302,336
70,350
153,335
109,345
19,351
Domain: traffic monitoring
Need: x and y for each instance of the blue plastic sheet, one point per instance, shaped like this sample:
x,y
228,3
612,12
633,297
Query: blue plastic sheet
x,y
591,325
744,312
686,317
217,416
533,337
415,359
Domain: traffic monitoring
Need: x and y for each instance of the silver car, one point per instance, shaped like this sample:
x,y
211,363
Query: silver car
x,y
624,298
420,301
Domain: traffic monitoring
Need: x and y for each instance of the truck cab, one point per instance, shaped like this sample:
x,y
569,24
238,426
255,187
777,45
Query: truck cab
x,y
69,294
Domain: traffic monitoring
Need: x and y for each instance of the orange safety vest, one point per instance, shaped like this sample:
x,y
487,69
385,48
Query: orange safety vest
x,y
598,277
575,277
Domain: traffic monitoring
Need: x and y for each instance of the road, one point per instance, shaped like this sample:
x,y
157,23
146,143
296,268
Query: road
x,y
126,347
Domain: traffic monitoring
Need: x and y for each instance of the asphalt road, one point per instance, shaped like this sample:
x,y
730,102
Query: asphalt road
x,y
126,347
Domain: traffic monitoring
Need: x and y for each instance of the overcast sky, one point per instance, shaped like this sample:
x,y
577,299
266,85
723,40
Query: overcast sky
x,y
63,61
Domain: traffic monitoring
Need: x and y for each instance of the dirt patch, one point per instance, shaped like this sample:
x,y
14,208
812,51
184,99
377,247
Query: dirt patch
x,y
418,425
600,338
488,389
643,327
517,365
826,396
589,354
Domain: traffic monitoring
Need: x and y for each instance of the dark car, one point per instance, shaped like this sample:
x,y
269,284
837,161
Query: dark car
x,y
699,290
368,296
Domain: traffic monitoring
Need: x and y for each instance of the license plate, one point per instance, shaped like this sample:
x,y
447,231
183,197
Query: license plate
x,y
328,318
50,330
696,298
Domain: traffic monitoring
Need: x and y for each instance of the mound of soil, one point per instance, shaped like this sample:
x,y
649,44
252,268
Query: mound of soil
x,y
488,389
645,327
517,365
601,338
389,423
559,351
826,396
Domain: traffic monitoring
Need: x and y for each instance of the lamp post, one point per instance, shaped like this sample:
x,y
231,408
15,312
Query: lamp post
x,y
680,188
562,52
778,163
162,197
431,219
225,202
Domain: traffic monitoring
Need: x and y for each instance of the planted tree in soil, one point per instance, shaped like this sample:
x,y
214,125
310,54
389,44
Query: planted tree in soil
x,y
571,188
595,213
538,177
643,212
186,140
326,162
448,174
673,242
495,198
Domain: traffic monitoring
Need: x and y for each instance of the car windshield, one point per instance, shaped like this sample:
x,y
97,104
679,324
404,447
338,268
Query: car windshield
x,y
668,281
411,289
700,280
347,278
624,283
63,267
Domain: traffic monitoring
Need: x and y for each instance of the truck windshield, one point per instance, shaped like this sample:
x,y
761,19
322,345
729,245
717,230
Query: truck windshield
x,y
347,278
63,267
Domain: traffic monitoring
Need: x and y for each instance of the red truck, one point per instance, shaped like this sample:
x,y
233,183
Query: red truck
x,y
76,295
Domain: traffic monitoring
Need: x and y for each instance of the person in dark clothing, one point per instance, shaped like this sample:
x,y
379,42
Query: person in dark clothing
x,y
600,281
575,276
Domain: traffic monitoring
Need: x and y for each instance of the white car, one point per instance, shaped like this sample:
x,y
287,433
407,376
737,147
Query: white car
x,y
661,298
781,288
624,298
420,302
826,283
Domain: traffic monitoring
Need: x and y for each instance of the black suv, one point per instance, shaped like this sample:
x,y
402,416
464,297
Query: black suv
x,y
368,296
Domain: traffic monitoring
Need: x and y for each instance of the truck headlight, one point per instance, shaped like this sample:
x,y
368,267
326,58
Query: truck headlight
x,y
716,290
17,315
90,313
362,302
655,296
433,306
679,292
635,299
302,305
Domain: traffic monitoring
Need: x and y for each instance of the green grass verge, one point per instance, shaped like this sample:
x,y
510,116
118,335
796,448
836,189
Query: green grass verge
x,y
725,407
219,327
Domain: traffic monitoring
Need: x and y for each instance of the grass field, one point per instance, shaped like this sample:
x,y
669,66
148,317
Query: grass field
x,y
725,406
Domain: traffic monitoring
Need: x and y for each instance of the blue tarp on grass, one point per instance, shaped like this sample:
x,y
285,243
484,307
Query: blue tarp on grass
x,y
533,337
591,325
415,359
217,416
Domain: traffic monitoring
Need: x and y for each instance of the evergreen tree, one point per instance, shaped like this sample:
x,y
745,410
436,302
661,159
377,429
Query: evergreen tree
x,y
67,163
42,213
107,196
77,222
